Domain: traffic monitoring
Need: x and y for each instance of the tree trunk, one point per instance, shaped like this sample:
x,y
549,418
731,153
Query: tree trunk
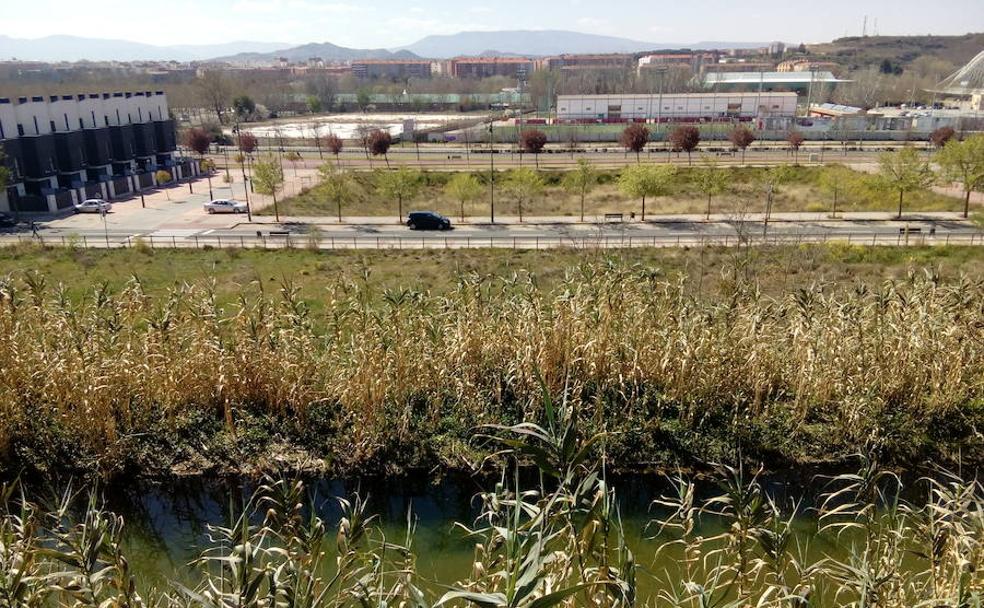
x,y
462,211
901,194
339,203
644,208
966,204
276,209
708,207
399,207
582,205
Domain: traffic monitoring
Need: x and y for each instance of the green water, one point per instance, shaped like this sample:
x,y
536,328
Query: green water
x,y
167,527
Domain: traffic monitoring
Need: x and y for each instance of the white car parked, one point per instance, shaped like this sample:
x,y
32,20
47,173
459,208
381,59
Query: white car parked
x,y
225,206
93,205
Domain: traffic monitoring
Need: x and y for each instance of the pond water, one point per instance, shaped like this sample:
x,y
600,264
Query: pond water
x,y
166,527
348,126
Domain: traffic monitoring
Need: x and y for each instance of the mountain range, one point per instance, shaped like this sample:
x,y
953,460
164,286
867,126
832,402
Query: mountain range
x,y
75,48
511,42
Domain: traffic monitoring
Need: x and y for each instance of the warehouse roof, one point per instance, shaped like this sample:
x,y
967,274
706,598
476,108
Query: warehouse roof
x,y
715,78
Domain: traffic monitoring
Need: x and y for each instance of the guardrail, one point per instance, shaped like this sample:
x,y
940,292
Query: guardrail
x,y
305,241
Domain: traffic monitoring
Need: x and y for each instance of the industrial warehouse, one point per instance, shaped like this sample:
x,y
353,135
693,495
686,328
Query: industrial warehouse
x,y
699,107
64,149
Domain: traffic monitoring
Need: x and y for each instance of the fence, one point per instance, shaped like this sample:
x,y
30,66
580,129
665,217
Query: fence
x,y
277,241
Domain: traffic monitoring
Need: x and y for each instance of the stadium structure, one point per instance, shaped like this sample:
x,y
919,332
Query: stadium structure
x,y
967,82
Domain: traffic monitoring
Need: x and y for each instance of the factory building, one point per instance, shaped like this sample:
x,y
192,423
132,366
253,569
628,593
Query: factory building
x,y
64,149
699,107
801,82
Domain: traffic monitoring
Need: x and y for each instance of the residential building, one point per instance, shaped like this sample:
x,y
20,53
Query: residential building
x,y
65,148
485,67
609,61
391,69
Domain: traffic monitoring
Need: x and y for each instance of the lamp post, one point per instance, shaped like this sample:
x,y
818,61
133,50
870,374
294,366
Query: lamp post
x,y
492,169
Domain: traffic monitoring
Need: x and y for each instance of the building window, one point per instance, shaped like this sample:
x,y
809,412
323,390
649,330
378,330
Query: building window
x,y
107,120
20,130
67,128
37,129
81,124
93,112
53,127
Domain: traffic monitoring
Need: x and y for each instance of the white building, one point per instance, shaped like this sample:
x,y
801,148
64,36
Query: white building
x,y
676,107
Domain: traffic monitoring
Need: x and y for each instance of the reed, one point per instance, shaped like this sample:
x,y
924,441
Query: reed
x,y
118,382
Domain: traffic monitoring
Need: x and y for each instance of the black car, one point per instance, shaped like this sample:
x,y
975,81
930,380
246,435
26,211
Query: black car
x,y
428,220
6,221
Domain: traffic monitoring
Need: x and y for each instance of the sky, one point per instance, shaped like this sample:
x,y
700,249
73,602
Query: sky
x,y
393,23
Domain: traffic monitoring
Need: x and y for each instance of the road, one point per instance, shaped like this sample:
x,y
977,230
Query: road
x,y
379,233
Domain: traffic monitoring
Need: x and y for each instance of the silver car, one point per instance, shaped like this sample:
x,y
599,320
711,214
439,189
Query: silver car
x,y
224,205
93,205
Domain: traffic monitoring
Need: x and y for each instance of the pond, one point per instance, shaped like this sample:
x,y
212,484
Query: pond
x,y
166,527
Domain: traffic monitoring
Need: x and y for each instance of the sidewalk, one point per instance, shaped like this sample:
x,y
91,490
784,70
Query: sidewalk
x,y
863,216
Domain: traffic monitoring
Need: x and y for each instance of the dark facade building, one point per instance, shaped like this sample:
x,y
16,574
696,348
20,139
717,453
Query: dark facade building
x,y
63,149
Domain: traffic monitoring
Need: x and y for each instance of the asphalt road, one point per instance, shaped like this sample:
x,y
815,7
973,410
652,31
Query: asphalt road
x,y
234,232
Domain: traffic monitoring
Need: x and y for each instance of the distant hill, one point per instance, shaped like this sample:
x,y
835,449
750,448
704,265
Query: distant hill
x,y
324,50
75,48
860,52
543,42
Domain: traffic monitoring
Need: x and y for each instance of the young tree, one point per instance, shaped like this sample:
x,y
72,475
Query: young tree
x,y
795,140
293,157
314,104
379,142
337,186
773,178
6,175
162,177
208,166
247,145
580,181
686,139
198,140
524,185
833,183
942,136
634,139
464,188
403,184
963,162
533,141
710,181
646,181
335,145
903,171
741,137
269,177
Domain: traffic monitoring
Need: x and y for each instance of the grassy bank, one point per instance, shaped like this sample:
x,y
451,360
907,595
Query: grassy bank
x,y
859,192
360,363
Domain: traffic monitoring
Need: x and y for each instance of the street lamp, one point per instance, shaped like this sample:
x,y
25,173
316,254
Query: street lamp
x,y
492,169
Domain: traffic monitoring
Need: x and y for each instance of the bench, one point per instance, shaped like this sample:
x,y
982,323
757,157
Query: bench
x,y
615,217
279,233
908,230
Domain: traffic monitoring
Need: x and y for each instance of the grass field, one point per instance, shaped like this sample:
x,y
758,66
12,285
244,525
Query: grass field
x,y
861,192
142,362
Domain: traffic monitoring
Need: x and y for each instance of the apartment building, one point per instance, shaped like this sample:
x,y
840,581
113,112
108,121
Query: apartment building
x,y
391,69
519,68
62,149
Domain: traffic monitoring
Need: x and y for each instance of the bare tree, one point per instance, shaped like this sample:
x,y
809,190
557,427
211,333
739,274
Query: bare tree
x,y
216,92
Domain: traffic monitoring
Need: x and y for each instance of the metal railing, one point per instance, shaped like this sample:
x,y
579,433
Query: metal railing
x,y
587,242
